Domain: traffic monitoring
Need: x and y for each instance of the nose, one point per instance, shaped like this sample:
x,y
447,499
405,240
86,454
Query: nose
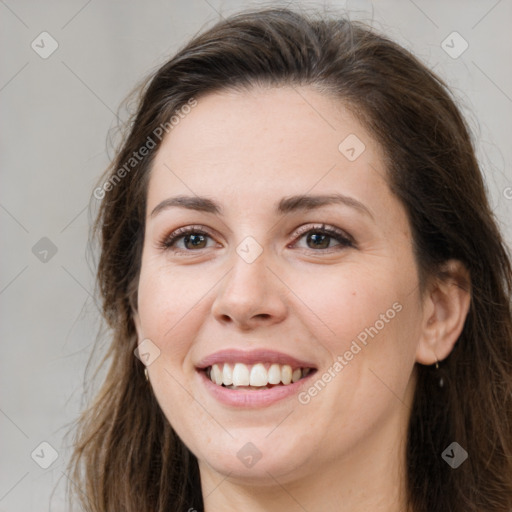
x,y
250,295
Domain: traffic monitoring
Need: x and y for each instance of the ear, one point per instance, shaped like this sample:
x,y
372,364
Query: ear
x,y
445,307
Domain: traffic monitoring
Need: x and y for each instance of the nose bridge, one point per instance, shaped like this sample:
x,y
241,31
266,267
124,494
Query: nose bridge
x,y
247,278
247,291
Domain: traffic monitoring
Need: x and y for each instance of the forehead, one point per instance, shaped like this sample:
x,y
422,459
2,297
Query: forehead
x,y
261,144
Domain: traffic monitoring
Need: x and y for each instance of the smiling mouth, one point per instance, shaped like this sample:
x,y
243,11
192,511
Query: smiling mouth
x,y
240,376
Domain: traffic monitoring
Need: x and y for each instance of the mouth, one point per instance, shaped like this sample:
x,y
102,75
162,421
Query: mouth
x,y
255,377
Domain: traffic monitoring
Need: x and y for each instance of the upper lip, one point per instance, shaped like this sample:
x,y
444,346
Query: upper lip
x,y
252,357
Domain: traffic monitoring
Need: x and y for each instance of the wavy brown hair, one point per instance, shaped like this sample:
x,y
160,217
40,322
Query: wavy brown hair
x,y
127,458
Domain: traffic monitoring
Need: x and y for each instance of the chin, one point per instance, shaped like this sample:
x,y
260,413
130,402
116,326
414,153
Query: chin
x,y
260,461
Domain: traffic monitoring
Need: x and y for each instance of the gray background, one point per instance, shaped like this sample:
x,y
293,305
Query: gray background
x,y
56,115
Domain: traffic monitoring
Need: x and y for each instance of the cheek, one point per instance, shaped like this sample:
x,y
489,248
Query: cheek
x,y
368,320
341,304
166,313
165,303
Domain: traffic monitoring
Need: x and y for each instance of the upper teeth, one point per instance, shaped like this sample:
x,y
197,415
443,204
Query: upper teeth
x,y
256,375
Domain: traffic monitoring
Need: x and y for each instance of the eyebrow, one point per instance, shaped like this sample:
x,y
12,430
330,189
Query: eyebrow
x,y
284,206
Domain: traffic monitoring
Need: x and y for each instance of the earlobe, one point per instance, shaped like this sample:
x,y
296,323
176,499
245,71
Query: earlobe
x,y
446,306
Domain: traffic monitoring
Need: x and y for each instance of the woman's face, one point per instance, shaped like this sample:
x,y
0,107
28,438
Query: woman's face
x,y
298,265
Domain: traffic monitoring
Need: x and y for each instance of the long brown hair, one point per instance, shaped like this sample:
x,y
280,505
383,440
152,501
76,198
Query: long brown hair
x,y
127,456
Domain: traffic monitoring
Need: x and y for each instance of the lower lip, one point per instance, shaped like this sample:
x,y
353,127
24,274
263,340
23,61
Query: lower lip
x,y
244,398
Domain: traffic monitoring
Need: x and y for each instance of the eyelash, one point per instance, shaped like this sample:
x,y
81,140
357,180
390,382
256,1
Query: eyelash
x,y
344,239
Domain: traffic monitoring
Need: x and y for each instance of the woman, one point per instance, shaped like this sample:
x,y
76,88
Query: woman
x,y
297,246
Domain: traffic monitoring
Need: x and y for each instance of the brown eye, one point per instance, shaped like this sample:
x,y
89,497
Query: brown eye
x,y
192,237
196,241
322,238
318,240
